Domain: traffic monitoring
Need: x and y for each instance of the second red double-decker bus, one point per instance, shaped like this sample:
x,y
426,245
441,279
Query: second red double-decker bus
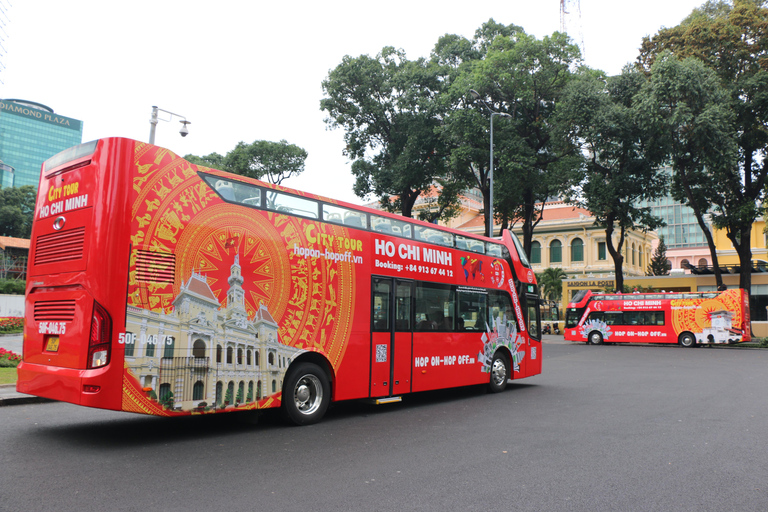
x,y
689,319
160,287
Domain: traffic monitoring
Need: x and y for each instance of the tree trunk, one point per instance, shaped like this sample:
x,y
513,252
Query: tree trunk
x,y
615,252
703,225
743,246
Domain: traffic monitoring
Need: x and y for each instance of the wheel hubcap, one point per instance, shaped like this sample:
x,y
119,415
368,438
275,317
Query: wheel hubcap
x,y
308,394
498,372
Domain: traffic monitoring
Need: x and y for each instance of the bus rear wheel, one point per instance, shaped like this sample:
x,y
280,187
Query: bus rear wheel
x,y
595,338
499,373
306,394
687,340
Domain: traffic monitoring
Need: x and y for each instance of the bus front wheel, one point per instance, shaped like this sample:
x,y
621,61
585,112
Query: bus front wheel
x,y
595,338
307,394
687,340
499,373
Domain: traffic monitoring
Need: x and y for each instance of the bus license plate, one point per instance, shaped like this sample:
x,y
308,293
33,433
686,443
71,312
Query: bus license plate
x,y
53,344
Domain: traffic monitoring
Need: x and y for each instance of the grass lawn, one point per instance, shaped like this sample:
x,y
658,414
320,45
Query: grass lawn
x,y
7,375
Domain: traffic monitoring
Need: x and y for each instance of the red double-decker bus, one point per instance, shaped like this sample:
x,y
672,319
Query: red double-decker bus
x,y
689,319
161,287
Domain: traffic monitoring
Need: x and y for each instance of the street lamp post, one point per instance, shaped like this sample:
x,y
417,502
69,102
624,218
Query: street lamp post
x,y
489,220
154,119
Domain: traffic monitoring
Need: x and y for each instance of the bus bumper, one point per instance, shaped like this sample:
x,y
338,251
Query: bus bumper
x,y
81,387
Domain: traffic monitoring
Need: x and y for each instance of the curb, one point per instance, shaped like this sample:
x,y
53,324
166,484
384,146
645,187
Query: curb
x,y
9,396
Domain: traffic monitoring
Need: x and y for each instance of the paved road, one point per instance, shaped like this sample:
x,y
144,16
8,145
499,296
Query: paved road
x,y
614,428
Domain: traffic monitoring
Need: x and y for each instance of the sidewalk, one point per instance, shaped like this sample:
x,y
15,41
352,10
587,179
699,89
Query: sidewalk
x,y
8,393
9,396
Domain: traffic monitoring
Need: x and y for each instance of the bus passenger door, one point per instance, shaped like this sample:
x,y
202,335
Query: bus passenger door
x,y
391,336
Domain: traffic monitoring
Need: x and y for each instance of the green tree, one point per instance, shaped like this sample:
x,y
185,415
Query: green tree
x,y
266,160
692,121
386,107
659,265
621,169
213,160
465,126
525,77
551,283
731,38
17,210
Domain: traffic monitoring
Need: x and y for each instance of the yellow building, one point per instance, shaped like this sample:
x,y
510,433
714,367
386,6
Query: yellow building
x,y
567,238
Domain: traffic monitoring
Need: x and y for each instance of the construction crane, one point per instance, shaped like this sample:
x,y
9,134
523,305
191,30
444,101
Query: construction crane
x,y
570,22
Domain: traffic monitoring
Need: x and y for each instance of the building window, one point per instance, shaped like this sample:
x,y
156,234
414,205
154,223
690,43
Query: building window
x,y
684,264
271,359
703,263
249,398
258,390
239,356
150,350
256,357
535,252
165,392
219,392
198,348
230,396
555,252
129,346
197,390
230,351
577,250
218,353
248,357
240,392
170,341
274,386
601,251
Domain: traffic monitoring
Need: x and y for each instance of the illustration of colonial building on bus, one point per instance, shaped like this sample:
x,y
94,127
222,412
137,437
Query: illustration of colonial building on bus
x,y
203,356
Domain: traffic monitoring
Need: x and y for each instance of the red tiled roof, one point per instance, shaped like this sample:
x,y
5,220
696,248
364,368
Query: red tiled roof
x,y
9,241
263,314
198,286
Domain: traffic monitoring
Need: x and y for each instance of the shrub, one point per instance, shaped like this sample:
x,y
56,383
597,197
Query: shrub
x,y
12,287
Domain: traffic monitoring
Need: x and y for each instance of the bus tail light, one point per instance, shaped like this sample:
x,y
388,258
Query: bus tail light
x,y
100,340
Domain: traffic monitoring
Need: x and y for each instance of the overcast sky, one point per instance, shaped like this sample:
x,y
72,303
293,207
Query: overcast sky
x,y
250,70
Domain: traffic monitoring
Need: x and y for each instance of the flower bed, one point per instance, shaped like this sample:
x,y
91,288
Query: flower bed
x,y
9,359
12,324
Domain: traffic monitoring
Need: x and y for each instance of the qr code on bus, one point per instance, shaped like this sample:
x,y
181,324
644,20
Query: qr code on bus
x,y
381,353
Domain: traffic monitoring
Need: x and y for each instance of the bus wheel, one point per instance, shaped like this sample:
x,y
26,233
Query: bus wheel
x,y
595,338
307,394
499,372
687,340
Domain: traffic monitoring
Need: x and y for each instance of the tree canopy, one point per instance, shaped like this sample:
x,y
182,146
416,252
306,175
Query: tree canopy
x,y
262,160
621,169
17,210
730,38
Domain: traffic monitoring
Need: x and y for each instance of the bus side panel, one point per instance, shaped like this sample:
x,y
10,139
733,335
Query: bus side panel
x,y
444,360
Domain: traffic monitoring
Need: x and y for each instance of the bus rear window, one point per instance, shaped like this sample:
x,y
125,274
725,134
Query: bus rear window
x,y
72,154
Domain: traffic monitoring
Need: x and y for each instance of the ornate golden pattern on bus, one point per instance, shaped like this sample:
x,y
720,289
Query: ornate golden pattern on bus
x,y
694,314
311,298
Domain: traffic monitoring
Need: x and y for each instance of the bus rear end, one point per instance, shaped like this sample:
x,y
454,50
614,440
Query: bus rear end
x,y
75,293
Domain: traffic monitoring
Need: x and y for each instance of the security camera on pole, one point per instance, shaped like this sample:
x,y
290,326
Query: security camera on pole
x,y
153,122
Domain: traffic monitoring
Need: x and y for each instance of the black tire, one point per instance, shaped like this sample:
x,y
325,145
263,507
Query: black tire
x,y
306,394
687,340
499,372
595,338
